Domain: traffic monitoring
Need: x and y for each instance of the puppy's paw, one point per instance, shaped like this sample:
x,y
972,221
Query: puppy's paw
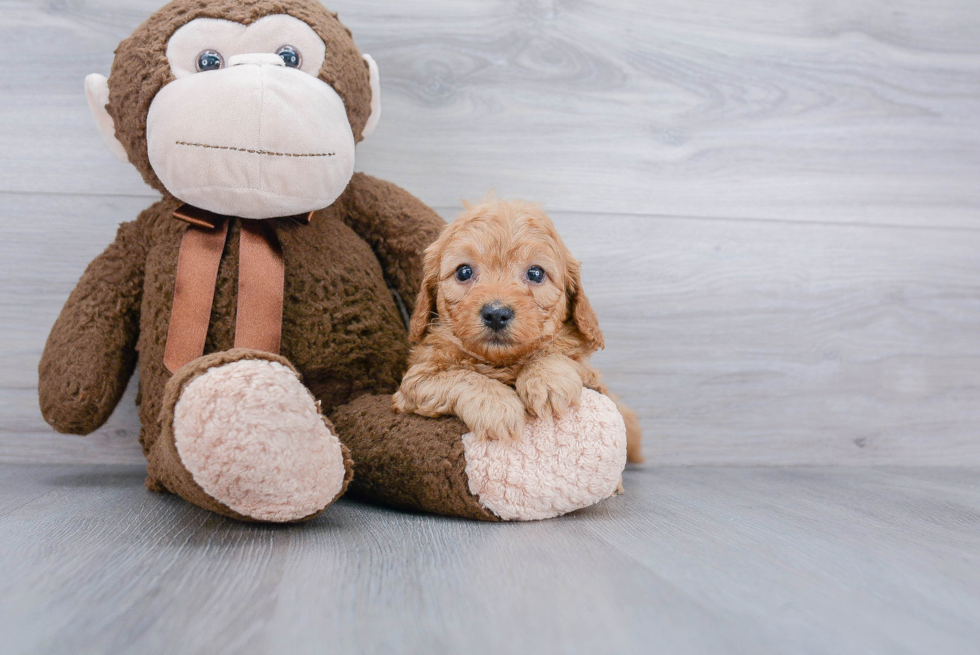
x,y
496,416
400,403
550,393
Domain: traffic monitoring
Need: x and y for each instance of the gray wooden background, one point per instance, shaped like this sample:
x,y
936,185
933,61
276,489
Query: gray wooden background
x,y
777,203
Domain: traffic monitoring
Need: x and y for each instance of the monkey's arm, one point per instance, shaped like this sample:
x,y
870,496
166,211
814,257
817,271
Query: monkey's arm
x,y
397,226
91,351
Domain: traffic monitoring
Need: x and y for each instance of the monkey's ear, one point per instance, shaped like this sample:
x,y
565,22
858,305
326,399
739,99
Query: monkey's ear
x,y
372,121
97,94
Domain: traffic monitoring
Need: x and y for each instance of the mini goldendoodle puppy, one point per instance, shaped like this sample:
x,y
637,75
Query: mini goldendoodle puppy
x,y
502,326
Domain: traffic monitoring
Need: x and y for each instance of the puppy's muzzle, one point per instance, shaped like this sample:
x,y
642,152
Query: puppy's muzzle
x,y
496,316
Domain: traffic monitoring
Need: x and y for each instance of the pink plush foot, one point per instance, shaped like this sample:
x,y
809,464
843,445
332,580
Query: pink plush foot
x,y
556,468
252,437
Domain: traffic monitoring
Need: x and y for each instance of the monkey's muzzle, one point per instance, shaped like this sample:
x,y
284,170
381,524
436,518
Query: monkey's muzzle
x,y
254,140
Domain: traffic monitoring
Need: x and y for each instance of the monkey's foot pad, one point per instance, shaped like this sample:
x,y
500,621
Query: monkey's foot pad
x,y
557,467
437,465
253,438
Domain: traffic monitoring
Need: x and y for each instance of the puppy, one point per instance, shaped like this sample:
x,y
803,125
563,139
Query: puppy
x,y
502,326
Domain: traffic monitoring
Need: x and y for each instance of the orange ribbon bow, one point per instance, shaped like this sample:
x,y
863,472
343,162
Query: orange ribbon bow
x,y
261,276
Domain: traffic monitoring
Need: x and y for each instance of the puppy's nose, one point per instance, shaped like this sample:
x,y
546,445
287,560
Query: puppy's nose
x,y
496,316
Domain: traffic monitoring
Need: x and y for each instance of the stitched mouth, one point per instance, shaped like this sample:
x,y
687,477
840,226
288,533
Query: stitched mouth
x,y
253,151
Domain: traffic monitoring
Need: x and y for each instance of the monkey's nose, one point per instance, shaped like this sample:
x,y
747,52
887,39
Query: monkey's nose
x,y
496,316
256,58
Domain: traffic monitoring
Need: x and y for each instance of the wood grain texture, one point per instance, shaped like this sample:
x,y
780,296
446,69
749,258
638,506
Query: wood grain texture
x,y
776,205
777,211
690,560
845,111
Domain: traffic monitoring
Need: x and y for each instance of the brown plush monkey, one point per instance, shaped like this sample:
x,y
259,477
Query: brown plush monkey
x,y
248,112
271,284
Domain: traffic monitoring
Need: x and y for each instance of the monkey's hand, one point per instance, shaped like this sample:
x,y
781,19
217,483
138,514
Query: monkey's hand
x,y
91,351
550,386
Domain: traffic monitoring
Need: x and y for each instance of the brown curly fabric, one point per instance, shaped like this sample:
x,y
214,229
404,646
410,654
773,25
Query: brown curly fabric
x,y
408,461
341,327
140,68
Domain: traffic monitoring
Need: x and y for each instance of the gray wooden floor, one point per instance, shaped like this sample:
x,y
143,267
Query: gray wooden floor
x,y
691,560
778,212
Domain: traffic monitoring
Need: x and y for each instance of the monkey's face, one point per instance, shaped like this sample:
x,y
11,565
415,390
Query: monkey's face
x,y
244,123
247,128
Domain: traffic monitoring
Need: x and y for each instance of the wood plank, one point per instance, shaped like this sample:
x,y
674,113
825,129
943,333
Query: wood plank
x,y
690,560
736,341
816,556
850,112
21,485
426,585
754,343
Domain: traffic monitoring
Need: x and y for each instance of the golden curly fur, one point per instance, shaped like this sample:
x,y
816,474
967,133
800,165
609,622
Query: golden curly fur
x,y
532,357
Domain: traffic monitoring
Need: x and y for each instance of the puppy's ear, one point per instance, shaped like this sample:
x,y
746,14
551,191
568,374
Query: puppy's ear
x,y
583,315
425,304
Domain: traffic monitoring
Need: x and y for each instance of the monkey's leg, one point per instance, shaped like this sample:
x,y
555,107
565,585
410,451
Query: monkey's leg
x,y
243,437
436,465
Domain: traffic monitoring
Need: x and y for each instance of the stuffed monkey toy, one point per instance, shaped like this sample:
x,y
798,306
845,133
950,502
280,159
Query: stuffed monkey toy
x,y
270,286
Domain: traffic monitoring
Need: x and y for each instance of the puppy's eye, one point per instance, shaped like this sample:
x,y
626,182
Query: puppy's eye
x,y
209,60
290,56
535,274
464,272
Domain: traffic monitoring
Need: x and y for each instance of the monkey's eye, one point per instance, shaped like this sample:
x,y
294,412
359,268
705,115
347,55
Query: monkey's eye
x,y
535,274
209,60
290,56
464,272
